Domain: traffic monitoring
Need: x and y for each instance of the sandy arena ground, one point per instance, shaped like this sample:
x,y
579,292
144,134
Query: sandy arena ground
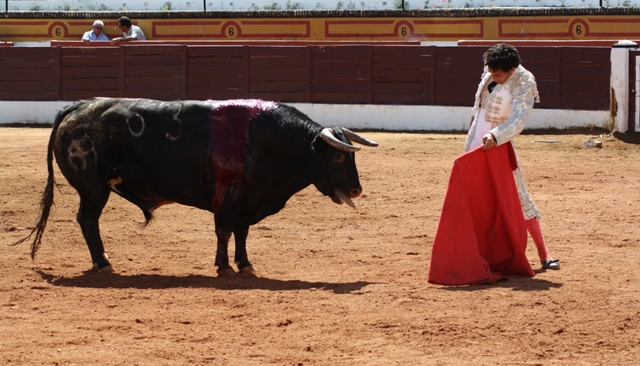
x,y
338,286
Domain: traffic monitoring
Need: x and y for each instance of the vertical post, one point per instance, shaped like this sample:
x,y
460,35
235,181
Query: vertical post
x,y
432,79
558,101
309,73
369,76
636,124
247,71
620,85
185,72
59,72
122,71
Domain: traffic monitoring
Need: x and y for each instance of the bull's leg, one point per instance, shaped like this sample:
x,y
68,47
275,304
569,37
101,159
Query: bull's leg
x,y
91,205
240,233
222,255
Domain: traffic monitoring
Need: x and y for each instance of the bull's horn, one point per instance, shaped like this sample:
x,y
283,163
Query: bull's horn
x,y
359,139
328,136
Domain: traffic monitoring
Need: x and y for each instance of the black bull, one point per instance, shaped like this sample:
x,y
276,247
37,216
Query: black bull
x,y
241,160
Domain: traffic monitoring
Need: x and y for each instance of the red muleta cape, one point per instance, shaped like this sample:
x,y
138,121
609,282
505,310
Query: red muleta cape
x,y
482,234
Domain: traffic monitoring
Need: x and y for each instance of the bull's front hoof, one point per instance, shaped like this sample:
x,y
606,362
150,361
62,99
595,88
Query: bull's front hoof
x,y
226,273
248,272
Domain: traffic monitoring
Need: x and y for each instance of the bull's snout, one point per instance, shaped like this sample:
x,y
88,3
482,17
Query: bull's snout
x,y
356,192
341,197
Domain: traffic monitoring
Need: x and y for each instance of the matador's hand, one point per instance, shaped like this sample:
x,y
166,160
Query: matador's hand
x,y
488,141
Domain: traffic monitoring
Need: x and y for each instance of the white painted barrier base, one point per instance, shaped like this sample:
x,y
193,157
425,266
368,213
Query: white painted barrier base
x,y
29,112
356,116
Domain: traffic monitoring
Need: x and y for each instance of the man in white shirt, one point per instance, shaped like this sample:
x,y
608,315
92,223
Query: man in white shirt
x,y
130,32
95,34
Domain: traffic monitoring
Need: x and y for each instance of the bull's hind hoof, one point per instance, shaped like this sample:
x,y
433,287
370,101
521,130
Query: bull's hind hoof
x,y
106,269
248,272
226,273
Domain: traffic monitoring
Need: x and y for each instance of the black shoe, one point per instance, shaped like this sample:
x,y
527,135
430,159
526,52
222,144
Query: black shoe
x,y
553,264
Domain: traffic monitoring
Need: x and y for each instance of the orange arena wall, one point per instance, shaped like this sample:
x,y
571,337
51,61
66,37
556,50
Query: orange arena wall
x,y
426,25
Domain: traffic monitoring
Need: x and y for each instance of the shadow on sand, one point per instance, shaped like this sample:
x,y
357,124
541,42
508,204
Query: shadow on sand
x,y
94,279
516,283
630,137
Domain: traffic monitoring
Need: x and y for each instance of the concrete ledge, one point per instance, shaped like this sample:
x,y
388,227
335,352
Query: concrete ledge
x,y
28,112
439,118
356,116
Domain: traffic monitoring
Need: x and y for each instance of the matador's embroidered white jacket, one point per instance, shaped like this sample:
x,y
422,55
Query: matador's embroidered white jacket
x,y
507,108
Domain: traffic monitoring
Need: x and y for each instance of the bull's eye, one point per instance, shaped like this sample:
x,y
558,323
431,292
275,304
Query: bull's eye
x,y
338,157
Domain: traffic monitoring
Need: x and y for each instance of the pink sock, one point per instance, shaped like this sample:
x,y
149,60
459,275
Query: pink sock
x,y
533,226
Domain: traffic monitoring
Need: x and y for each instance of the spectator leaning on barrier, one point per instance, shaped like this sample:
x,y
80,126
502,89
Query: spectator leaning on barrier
x,y
96,33
130,32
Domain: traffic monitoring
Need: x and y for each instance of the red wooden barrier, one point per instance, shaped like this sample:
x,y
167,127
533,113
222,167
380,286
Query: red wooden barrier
x,y
403,75
88,72
279,73
568,77
29,73
217,73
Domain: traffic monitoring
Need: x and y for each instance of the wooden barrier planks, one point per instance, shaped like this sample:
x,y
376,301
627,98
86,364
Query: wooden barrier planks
x,y
568,77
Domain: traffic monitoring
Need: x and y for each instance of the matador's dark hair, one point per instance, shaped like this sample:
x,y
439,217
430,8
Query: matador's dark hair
x,y
501,57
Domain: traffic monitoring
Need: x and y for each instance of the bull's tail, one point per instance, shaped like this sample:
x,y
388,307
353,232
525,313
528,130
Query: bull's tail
x,y
47,196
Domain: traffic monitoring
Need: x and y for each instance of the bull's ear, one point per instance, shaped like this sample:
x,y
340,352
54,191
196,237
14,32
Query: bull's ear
x,y
317,143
